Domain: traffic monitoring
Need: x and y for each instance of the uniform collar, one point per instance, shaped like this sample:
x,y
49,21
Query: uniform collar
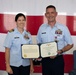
x,y
16,30
47,25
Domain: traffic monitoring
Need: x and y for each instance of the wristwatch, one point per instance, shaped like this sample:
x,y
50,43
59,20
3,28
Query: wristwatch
x,y
61,51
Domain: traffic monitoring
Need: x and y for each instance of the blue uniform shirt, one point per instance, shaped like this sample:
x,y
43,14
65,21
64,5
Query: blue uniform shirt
x,y
59,32
13,41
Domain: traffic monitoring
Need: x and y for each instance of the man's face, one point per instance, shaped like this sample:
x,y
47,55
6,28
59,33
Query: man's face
x,y
51,14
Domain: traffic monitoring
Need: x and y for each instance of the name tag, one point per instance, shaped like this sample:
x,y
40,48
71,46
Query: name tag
x,y
44,33
16,37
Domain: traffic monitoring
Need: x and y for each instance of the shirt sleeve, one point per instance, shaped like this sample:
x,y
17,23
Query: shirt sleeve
x,y
67,36
8,40
39,36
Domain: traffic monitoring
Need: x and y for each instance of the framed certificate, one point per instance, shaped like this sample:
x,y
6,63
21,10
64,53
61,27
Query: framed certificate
x,y
36,51
30,51
48,49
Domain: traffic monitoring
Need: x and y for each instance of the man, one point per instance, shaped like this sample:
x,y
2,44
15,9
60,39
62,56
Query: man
x,y
54,31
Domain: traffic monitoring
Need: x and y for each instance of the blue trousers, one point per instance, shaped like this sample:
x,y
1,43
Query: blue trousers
x,y
20,70
53,66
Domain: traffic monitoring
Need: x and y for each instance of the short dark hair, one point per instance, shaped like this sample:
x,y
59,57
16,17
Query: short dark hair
x,y
19,15
51,6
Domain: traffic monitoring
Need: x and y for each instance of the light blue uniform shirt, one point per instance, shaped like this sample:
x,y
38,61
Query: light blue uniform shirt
x,y
48,34
13,41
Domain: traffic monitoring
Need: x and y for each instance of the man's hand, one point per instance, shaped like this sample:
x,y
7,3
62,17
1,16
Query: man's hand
x,y
59,52
52,57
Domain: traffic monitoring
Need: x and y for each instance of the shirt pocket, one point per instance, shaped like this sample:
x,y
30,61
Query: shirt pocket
x,y
26,41
60,37
16,41
44,38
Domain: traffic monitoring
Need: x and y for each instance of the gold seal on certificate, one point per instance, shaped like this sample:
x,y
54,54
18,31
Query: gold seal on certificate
x,y
35,51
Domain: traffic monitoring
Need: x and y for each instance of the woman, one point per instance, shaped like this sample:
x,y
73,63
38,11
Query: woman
x,y
15,64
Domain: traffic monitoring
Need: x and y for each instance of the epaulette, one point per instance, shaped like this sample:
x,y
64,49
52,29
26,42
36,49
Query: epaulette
x,y
11,30
27,31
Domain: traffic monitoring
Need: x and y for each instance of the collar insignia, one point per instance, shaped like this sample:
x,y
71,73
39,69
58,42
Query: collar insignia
x,y
12,30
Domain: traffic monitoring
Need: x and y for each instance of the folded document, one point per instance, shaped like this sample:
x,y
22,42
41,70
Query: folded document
x,y
42,50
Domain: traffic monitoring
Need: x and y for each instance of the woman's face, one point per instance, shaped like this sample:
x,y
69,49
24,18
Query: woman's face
x,y
20,22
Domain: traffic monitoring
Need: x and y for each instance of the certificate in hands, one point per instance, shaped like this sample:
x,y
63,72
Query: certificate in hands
x,y
30,51
48,49
36,51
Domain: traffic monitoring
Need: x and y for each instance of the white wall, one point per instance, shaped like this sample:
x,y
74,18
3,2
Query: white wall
x,y
37,7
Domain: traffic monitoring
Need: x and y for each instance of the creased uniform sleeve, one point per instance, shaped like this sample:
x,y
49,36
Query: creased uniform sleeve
x,y
67,36
39,36
8,40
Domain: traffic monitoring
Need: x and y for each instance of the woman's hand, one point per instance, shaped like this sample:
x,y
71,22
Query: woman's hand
x,y
9,69
31,68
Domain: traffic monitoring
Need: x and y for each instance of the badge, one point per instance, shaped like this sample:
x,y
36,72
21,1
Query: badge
x,y
26,36
58,31
12,30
